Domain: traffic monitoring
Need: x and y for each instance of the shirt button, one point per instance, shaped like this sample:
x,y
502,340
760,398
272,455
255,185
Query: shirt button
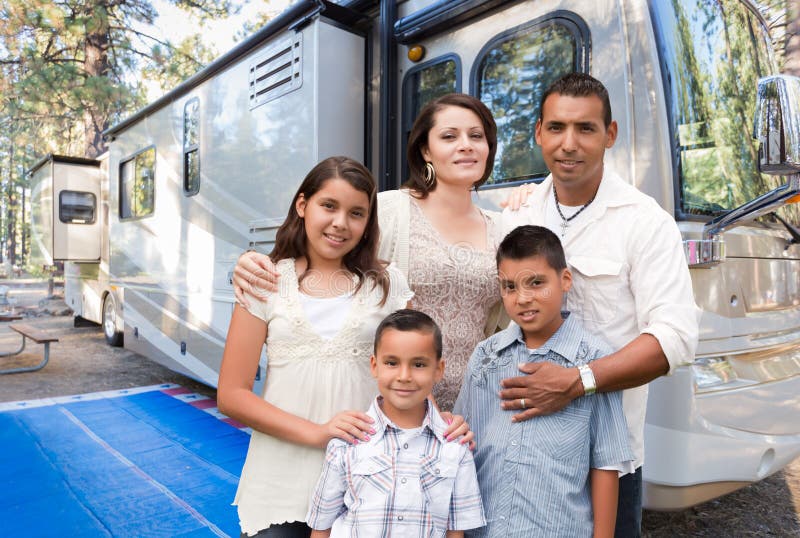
x,y
403,480
405,445
437,471
399,518
513,443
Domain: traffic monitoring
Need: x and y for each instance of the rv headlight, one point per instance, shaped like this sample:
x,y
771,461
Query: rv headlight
x,y
713,371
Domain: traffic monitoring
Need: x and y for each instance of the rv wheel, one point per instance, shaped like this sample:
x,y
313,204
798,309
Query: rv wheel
x,y
113,336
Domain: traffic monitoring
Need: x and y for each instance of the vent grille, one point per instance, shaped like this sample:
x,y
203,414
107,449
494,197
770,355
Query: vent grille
x,y
277,72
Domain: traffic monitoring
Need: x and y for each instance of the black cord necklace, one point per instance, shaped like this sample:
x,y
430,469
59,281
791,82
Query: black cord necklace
x,y
565,220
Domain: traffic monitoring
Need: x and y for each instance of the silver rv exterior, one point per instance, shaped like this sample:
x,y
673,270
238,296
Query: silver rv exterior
x,y
209,169
682,77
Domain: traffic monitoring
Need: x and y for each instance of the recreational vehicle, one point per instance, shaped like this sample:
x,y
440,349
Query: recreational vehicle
x,y
208,170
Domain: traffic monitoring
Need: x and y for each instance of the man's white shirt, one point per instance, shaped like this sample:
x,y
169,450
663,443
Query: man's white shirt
x,y
629,275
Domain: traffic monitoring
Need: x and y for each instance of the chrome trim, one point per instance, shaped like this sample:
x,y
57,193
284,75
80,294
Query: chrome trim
x,y
704,253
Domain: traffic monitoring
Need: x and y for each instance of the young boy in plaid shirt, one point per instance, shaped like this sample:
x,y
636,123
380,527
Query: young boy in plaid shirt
x,y
407,480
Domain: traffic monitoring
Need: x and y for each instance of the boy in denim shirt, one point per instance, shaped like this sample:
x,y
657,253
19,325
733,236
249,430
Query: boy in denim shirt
x,y
554,475
406,480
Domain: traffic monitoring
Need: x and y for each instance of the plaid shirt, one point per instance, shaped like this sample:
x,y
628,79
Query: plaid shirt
x,y
402,483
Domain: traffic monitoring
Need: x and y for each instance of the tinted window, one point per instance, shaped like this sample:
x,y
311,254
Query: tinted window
x,y
512,74
421,86
191,147
426,84
713,55
76,207
137,185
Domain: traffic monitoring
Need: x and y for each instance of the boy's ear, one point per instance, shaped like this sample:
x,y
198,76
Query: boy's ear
x,y
300,205
566,280
373,366
439,370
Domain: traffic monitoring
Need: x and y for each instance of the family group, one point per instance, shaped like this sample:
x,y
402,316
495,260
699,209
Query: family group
x,y
436,369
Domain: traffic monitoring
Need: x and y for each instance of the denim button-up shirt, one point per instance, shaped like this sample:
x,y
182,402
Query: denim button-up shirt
x,y
534,475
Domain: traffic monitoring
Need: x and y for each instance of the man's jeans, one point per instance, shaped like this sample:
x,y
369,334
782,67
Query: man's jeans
x,y
629,508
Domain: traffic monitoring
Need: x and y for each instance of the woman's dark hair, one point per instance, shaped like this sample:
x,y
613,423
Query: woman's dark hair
x,y
418,138
362,261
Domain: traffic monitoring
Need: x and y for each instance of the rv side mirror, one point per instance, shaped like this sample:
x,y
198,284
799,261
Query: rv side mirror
x,y
777,125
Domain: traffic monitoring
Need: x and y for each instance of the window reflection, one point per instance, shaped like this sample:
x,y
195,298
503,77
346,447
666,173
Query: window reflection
x,y
137,185
513,75
714,53
191,146
427,84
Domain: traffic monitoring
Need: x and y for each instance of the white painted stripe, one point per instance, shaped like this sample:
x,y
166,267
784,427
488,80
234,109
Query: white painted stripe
x,y
158,485
60,400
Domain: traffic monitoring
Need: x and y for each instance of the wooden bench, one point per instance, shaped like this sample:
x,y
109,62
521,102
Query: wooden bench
x,y
39,336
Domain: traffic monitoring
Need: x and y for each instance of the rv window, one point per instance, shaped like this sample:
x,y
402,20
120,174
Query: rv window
x,y
76,207
191,147
512,74
712,55
423,84
427,82
137,185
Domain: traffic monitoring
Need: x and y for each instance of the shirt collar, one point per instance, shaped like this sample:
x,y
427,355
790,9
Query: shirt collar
x,y
612,192
433,421
565,341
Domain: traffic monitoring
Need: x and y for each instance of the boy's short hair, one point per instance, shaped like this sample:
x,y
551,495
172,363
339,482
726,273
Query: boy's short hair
x,y
410,320
579,85
529,241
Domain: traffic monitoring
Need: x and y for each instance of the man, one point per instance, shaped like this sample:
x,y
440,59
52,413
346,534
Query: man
x,y
631,284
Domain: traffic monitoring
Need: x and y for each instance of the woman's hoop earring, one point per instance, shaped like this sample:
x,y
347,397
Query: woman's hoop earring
x,y
430,175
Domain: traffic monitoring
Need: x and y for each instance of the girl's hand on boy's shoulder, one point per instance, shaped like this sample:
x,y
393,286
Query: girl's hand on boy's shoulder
x,y
349,426
458,429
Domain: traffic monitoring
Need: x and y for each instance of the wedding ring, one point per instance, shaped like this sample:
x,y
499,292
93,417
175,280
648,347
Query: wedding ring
x,y
522,402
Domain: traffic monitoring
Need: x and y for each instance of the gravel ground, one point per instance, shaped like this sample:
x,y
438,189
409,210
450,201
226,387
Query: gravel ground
x,y
82,362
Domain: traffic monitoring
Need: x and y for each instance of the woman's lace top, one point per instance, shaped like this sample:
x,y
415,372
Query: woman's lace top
x,y
457,286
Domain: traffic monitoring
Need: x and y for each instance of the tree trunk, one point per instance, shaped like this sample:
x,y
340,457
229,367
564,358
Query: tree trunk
x,y
792,50
96,65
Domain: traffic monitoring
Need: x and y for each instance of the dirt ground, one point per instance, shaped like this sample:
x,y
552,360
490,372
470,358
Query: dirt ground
x,y
81,362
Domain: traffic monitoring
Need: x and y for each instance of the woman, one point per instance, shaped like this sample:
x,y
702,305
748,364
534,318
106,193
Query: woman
x,y
441,241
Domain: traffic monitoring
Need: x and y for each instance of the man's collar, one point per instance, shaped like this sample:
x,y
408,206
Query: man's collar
x,y
433,421
565,341
612,192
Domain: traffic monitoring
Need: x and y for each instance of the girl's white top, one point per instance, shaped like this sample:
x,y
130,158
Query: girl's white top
x,y
313,378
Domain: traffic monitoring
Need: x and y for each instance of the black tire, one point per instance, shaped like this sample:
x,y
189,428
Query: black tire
x,y
113,336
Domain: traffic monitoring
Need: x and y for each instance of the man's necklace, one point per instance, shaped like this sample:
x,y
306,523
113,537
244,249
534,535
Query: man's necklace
x,y
565,220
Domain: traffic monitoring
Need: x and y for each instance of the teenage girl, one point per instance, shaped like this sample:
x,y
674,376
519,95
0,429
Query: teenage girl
x,y
318,327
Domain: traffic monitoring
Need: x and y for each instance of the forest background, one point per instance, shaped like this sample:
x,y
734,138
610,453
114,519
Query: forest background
x,y
71,68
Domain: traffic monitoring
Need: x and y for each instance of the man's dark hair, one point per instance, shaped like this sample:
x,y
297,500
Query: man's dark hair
x,y
410,320
529,241
579,85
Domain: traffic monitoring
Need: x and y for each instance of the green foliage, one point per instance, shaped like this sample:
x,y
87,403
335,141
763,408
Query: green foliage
x,y
69,69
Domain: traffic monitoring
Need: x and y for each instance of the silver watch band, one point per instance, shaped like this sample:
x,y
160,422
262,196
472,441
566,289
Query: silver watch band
x,y
587,378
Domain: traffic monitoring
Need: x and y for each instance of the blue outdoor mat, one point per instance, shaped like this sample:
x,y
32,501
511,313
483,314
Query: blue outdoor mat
x,y
154,461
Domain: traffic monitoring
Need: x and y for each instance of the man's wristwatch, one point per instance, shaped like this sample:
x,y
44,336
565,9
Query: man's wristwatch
x,y
587,378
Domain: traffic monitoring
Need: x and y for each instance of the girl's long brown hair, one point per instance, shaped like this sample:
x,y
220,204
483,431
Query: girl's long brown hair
x,y
362,261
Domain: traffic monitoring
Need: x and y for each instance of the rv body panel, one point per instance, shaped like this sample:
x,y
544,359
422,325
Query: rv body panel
x,y
65,219
174,261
